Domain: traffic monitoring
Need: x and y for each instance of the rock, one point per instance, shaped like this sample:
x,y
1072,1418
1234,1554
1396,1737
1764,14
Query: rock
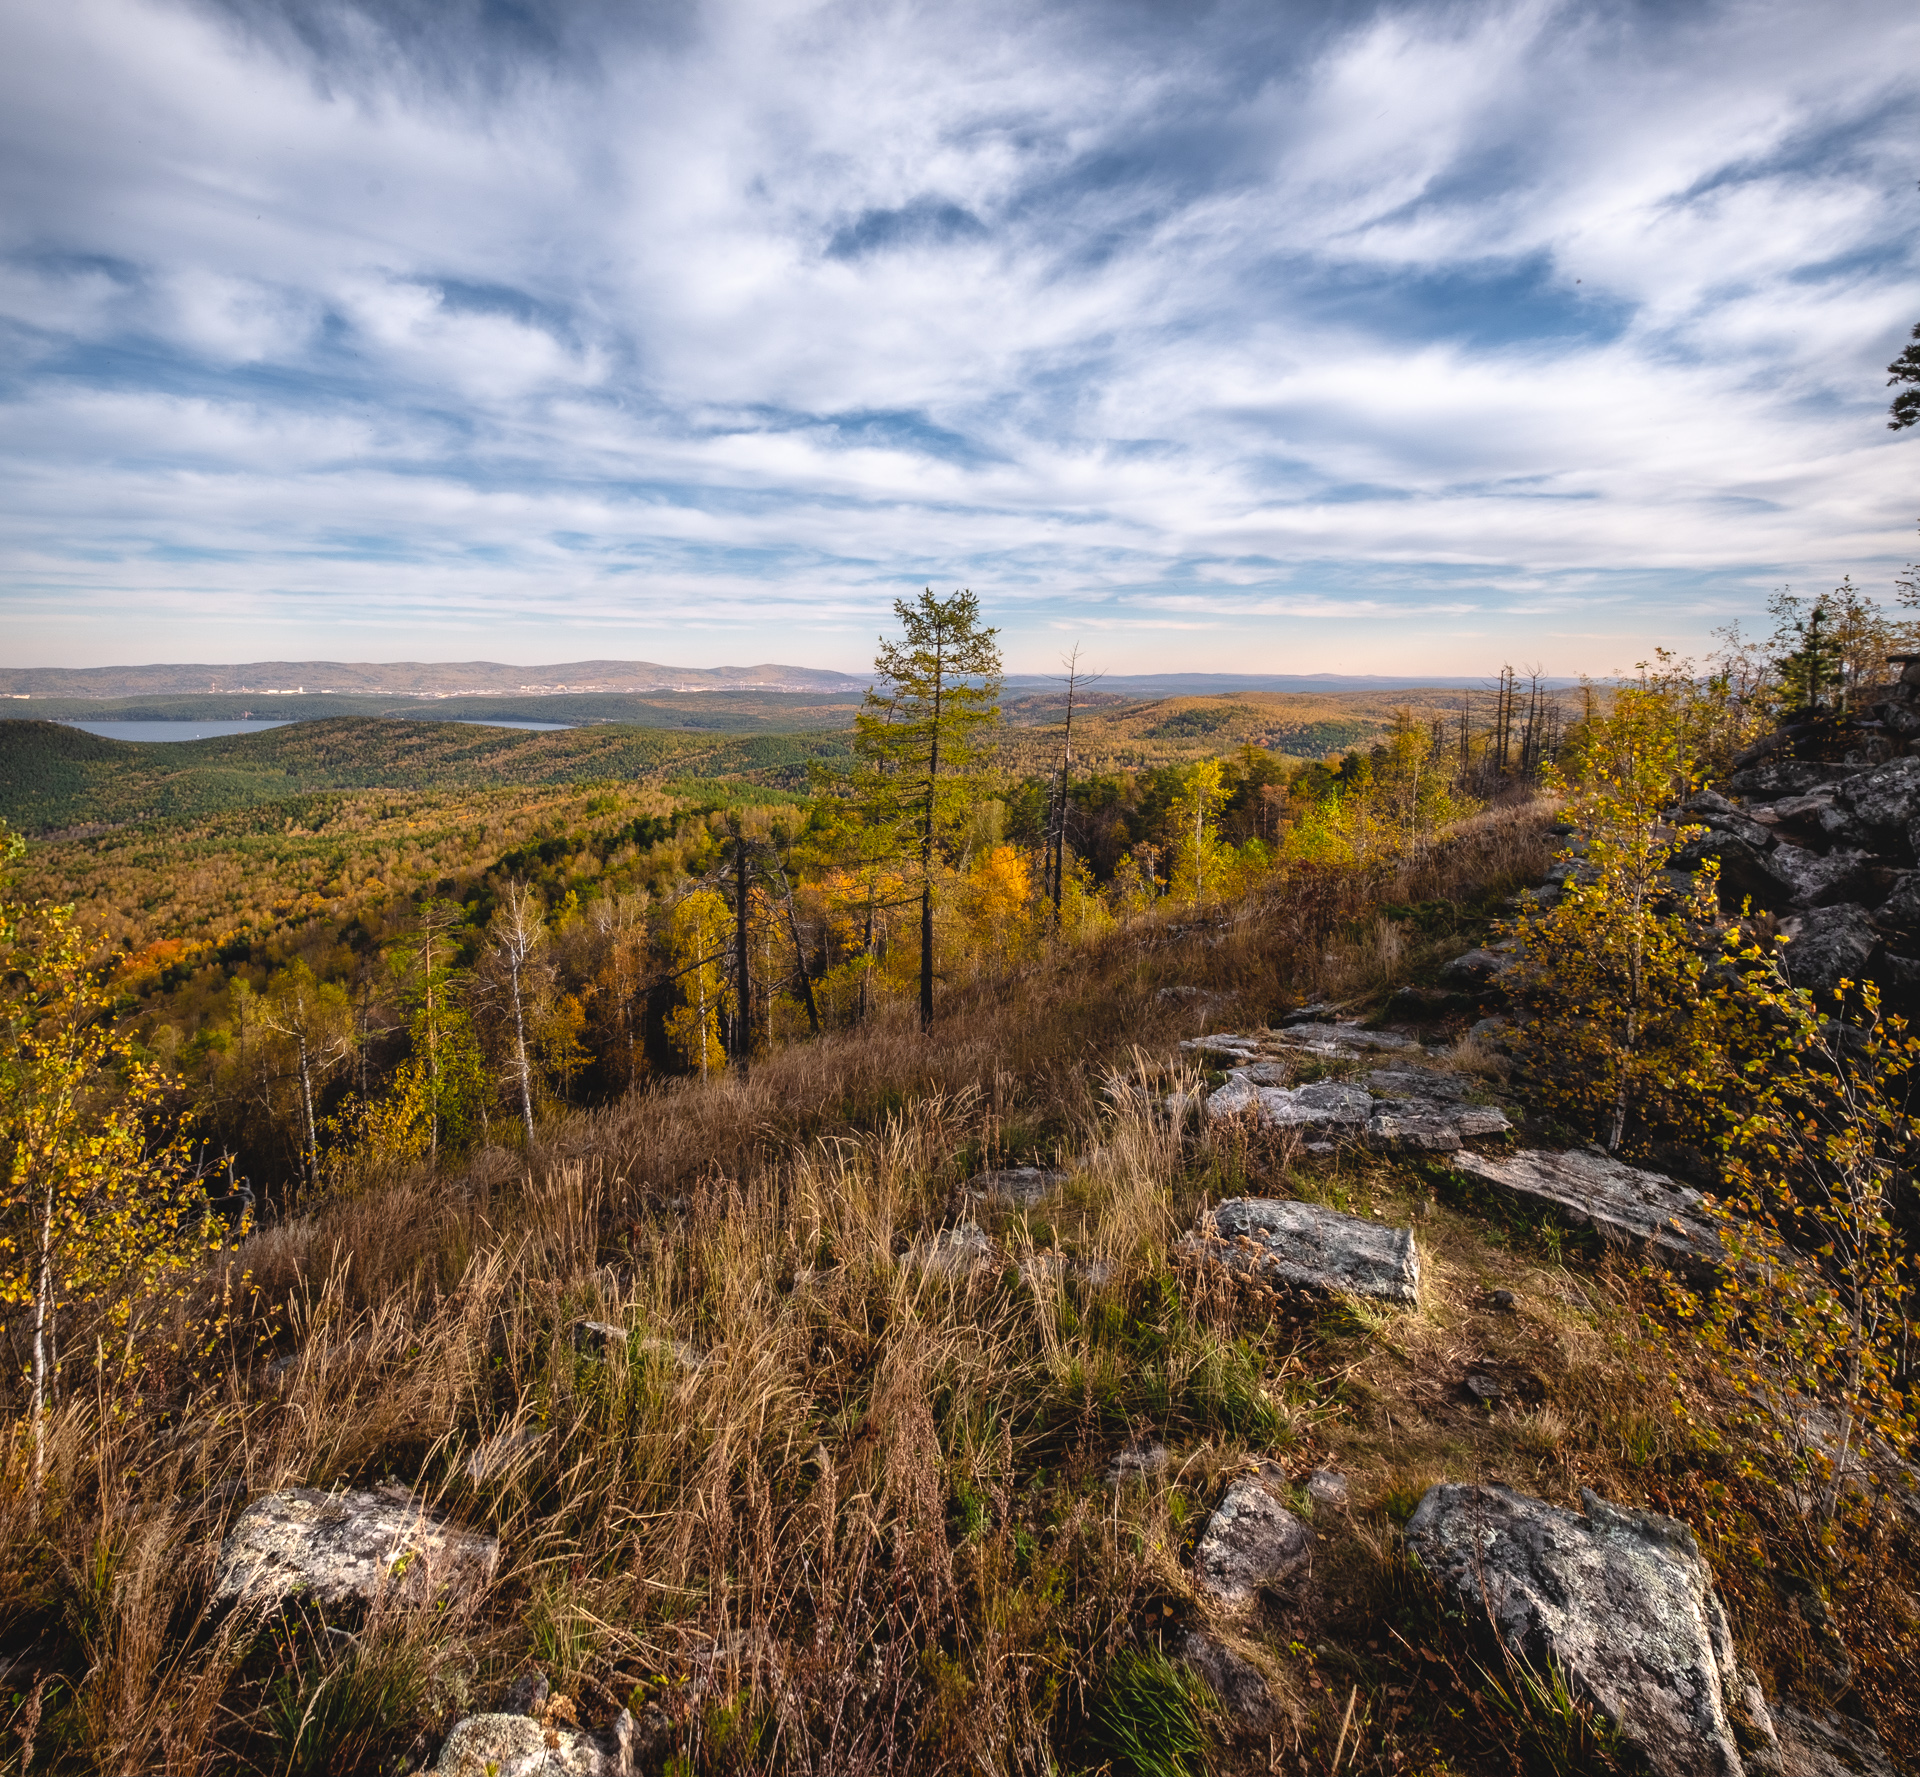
x,y
1817,880
1881,805
1478,968
1426,1127
1827,1745
1483,1388
348,1548
1304,1246
1622,1202
600,1339
1137,1462
1622,1601
1720,815
1232,1048
960,1250
1745,875
519,1746
1243,1690
1489,1028
1326,1103
1320,1011
1188,996
1328,1490
1344,1040
1420,1082
1787,777
1023,1186
1900,911
1828,945
1251,1544
528,1693
1503,1300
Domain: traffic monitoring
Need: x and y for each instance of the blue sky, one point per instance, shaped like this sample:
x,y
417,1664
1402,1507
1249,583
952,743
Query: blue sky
x,y
1263,338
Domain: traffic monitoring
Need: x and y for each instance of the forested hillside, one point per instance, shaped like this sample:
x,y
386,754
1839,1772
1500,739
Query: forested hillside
x,y
995,1260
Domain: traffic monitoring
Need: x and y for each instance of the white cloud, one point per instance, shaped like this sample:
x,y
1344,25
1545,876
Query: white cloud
x,y
760,322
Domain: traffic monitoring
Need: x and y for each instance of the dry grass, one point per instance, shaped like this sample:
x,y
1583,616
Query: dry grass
x,y
838,1504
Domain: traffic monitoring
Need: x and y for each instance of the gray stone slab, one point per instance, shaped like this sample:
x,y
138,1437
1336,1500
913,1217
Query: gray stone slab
x,y
1305,1246
1622,1601
1324,1104
1621,1201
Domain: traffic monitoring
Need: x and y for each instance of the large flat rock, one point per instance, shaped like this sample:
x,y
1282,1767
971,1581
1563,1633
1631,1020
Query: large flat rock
x,y
1326,1104
1622,1601
1622,1202
348,1549
1304,1246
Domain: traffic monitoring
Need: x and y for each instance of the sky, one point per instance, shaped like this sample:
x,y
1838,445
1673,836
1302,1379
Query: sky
x,y
1271,337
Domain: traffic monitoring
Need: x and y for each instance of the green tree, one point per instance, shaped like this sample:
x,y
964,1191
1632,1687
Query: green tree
x,y
1194,819
1634,992
920,735
1905,369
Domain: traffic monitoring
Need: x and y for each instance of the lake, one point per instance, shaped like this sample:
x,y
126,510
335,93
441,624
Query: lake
x,y
145,731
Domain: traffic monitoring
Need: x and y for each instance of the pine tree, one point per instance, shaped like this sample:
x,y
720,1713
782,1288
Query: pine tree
x,y
919,736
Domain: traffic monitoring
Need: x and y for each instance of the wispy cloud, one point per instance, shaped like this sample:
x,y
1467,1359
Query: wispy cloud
x,y
1362,338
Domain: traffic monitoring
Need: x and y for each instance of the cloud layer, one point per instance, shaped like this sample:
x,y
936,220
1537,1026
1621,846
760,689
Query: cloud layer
x,y
1231,337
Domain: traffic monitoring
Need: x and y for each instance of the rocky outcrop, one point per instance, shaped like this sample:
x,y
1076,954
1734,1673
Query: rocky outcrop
x,y
1326,1104
1303,1246
1621,1601
348,1549
1252,1544
1408,1105
1622,1202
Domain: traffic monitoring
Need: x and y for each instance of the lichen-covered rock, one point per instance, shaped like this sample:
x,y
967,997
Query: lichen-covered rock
x,y
1303,1246
1324,1104
1819,879
348,1548
1624,1203
1251,1544
1621,1601
519,1746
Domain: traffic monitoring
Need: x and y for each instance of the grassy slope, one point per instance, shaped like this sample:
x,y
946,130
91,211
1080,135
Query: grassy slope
x,y
879,1497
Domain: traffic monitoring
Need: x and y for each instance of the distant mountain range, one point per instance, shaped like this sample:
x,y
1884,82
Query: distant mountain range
x,y
308,679
411,678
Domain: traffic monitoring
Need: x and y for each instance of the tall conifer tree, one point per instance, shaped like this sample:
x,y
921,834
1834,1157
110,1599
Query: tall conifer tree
x,y
920,736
